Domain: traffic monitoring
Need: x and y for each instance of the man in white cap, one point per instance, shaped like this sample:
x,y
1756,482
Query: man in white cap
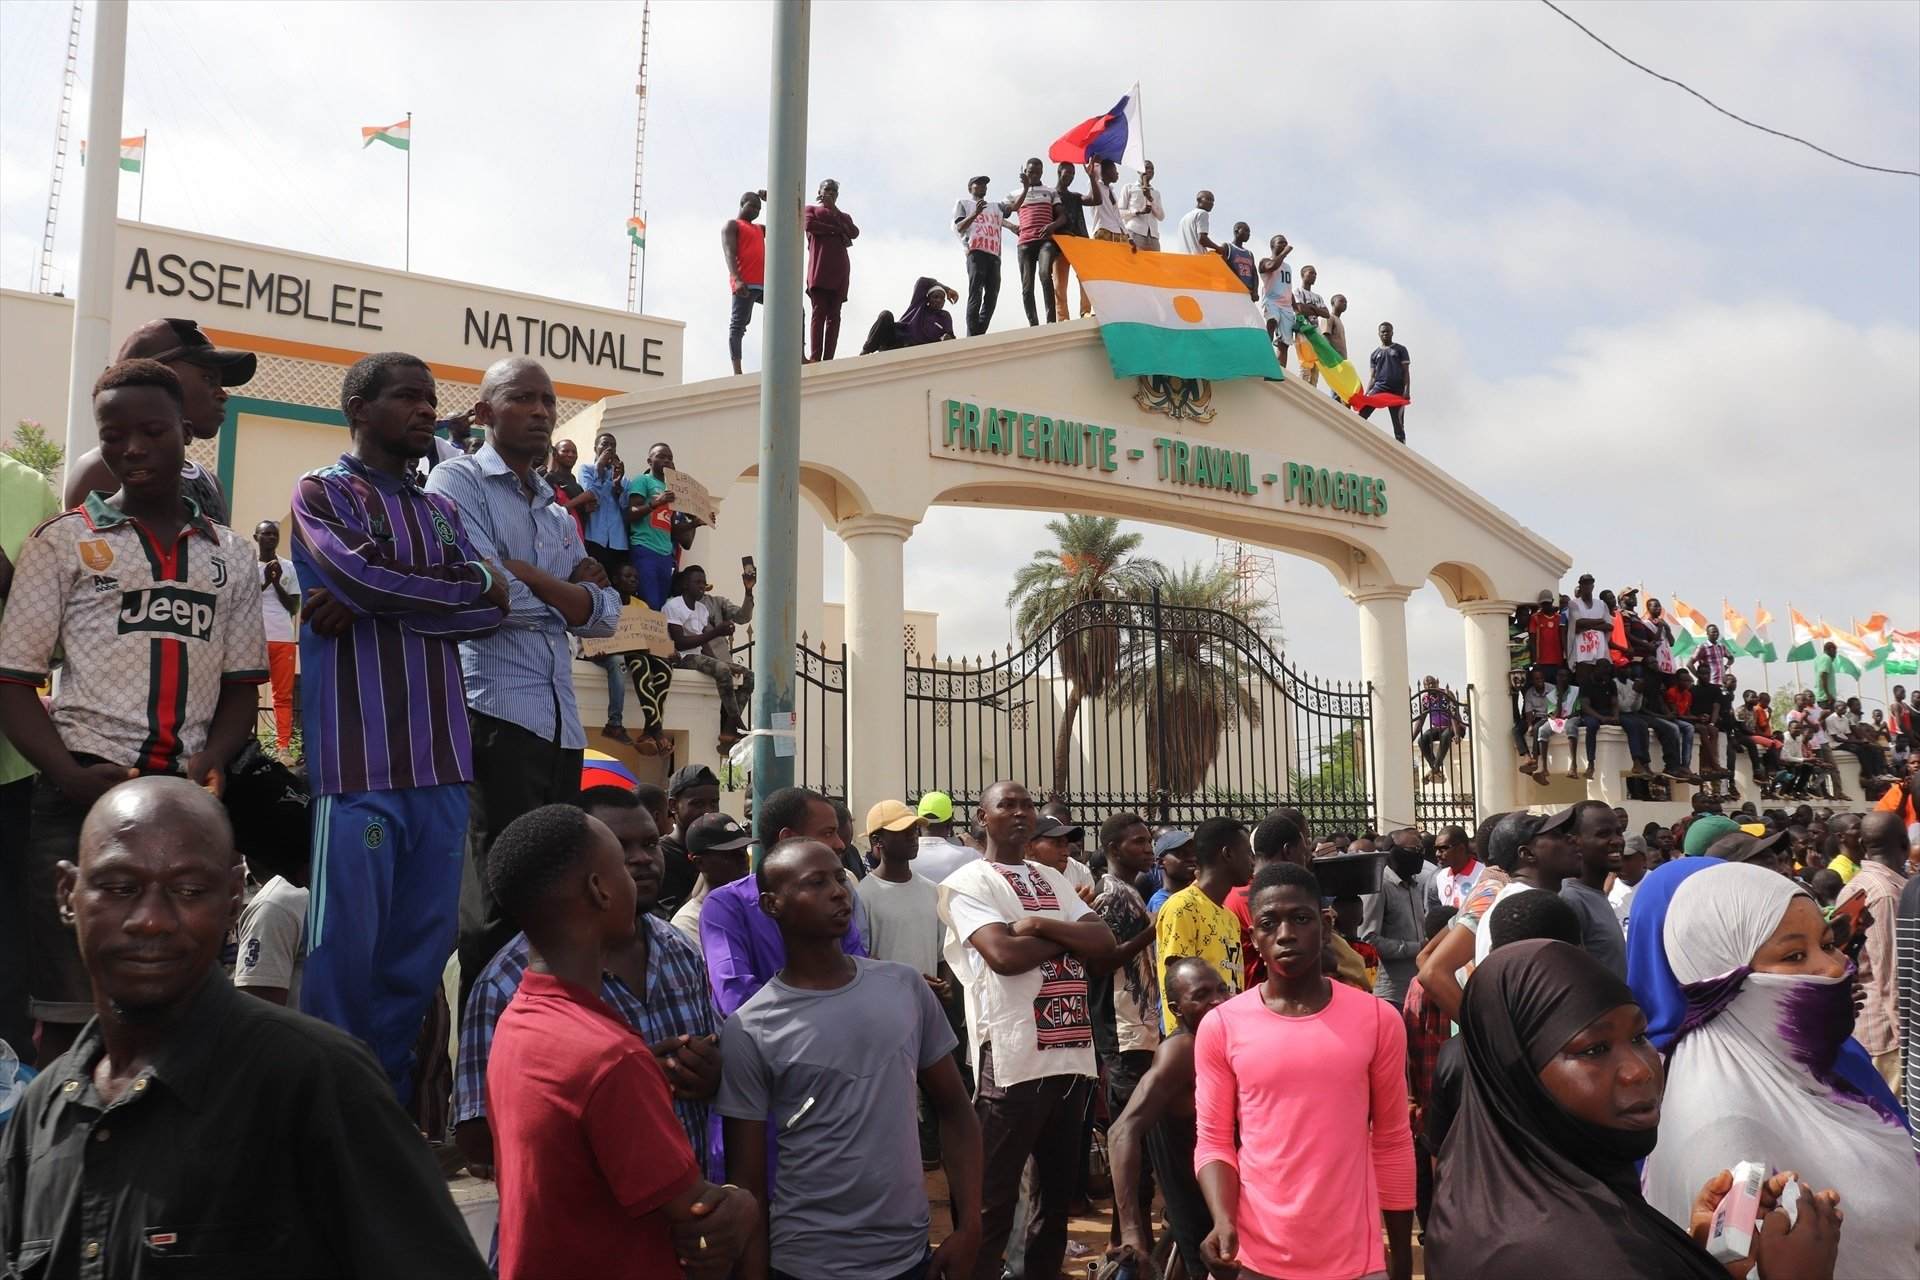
x,y
940,855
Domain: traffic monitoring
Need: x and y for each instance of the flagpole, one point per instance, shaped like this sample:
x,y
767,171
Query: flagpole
x,y
407,260
140,211
1766,669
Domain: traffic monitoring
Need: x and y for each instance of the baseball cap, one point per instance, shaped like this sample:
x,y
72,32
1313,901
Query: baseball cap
x,y
1747,847
1704,831
1559,820
1171,840
890,815
936,806
167,340
716,833
978,177
1049,828
693,775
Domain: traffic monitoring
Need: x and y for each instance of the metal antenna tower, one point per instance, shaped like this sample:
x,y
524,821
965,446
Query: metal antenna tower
x,y
43,272
1256,585
636,257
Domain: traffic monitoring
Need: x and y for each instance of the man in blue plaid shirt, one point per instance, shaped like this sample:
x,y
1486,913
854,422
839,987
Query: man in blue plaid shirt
x,y
658,987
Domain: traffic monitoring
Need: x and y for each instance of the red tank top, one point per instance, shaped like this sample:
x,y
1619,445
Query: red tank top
x,y
752,253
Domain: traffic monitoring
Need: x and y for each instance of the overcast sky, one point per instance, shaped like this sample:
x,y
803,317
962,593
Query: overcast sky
x,y
1685,351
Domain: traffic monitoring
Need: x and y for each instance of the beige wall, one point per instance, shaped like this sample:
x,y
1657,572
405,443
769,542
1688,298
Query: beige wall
x,y
36,339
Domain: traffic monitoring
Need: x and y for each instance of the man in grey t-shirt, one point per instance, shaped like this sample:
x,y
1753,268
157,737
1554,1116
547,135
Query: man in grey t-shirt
x,y
828,1055
1597,839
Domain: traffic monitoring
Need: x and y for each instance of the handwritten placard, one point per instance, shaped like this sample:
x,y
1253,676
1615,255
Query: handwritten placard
x,y
640,630
690,496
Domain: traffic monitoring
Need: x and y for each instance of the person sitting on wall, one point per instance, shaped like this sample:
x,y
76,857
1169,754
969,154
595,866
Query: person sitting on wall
x,y
924,321
701,626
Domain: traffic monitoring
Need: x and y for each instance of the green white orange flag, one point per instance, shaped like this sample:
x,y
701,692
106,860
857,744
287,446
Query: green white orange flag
x,y
1806,637
637,231
1851,655
1903,653
394,135
1873,634
133,153
1690,631
1181,315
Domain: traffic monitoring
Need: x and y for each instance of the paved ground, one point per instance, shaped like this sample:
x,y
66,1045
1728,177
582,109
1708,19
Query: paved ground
x,y
479,1204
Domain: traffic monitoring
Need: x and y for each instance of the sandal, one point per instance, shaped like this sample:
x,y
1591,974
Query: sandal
x,y
648,744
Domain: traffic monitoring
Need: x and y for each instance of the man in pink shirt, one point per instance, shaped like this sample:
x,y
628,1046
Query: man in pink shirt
x,y
1303,1144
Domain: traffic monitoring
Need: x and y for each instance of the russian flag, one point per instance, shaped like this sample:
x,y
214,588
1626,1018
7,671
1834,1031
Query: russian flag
x,y
1114,136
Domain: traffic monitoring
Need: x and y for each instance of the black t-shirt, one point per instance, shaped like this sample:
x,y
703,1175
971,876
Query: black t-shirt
x,y
1076,216
676,877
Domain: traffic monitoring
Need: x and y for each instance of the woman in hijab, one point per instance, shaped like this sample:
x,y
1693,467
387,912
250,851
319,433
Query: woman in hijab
x,y
925,320
1563,1097
1752,1074
1660,995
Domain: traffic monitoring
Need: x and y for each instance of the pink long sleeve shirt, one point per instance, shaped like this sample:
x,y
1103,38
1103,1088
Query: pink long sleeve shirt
x,y
1312,1112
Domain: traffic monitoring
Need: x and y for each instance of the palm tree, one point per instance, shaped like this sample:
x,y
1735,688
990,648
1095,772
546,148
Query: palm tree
x,y
1091,560
1204,673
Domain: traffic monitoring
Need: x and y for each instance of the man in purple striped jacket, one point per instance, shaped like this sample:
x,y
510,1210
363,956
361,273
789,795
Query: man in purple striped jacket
x,y
392,584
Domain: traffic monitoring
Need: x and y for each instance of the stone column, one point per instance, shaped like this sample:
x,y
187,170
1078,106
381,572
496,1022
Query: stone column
x,y
1383,662
875,547
1496,775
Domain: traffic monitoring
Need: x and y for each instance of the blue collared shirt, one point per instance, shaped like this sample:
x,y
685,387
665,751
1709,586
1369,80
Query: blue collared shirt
x,y
675,1003
522,673
606,523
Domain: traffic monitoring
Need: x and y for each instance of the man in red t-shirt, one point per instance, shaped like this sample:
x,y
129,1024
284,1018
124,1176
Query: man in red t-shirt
x,y
595,1173
1546,627
743,243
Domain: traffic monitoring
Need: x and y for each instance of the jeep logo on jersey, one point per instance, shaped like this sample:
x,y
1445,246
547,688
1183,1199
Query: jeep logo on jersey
x,y
171,611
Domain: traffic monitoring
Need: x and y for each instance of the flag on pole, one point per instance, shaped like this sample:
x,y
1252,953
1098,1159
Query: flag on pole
x,y
1174,314
1314,349
1806,638
1903,653
1873,635
133,153
394,135
637,231
1851,656
1692,630
1731,621
1113,135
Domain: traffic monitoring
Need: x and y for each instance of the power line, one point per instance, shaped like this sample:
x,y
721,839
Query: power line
x,y
1910,173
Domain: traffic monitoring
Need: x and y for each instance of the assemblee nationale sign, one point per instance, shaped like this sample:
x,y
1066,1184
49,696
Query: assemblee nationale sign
x,y
1137,457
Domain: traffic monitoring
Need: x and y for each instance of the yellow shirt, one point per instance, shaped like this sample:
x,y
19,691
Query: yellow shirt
x,y
1843,866
1192,924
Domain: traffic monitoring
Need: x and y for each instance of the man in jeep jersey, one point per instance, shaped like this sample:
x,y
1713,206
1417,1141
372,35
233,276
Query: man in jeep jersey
x,y
154,608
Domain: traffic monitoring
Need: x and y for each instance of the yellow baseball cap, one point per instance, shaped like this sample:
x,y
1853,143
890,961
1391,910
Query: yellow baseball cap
x,y
891,815
936,806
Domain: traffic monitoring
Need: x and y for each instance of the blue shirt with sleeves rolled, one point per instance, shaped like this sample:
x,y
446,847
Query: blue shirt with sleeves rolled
x,y
605,523
523,673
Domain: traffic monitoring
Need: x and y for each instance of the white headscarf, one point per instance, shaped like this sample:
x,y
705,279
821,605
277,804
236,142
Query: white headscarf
x,y
1736,1090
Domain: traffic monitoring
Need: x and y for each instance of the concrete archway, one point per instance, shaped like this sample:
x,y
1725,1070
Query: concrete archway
x,y
1035,419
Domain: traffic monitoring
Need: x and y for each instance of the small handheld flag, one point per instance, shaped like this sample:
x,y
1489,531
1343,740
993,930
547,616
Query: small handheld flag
x,y
394,135
1114,135
637,231
1334,367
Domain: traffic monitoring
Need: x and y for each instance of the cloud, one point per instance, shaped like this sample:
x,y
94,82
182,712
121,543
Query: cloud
x,y
1648,332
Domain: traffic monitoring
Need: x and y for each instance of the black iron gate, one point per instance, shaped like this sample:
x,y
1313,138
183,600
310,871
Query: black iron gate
x,y
1443,777
819,714
1174,712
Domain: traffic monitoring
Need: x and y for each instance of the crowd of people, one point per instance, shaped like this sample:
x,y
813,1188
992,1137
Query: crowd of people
x,y
690,1047
1600,658
1040,216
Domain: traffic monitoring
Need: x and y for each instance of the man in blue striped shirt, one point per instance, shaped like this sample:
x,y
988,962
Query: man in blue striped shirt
x,y
527,736
392,582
